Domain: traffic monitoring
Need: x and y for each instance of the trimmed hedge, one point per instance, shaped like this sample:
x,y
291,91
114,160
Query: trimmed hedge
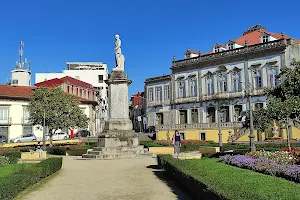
x,y
150,144
56,151
13,156
76,152
16,182
209,179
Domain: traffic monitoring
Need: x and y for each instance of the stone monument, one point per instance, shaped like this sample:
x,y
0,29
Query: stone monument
x,y
118,139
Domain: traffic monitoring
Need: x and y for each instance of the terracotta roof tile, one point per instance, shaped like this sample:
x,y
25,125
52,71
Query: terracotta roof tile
x,y
192,51
25,92
16,91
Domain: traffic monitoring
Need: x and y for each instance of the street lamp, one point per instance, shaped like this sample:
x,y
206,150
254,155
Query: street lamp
x,y
219,126
249,101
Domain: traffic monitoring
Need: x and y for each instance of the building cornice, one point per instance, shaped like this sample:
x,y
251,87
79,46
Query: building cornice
x,y
233,55
158,79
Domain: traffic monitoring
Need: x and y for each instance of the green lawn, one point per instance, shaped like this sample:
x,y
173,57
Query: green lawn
x,y
9,169
235,183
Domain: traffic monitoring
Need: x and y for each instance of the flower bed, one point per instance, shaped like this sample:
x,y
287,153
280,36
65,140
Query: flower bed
x,y
209,179
264,165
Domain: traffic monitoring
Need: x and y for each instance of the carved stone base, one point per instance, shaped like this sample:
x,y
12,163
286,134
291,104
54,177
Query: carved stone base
x,y
117,144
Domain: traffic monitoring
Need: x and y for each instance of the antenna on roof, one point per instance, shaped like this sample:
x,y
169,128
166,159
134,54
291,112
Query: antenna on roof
x,y
20,64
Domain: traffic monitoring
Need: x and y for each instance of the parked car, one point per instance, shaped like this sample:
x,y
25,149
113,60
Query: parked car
x,y
83,133
58,136
3,139
25,138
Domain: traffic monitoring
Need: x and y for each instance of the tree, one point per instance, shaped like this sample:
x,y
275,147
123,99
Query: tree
x,y
283,100
261,121
60,110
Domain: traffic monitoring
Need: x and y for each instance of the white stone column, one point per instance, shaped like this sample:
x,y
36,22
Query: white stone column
x,y
189,116
231,113
216,114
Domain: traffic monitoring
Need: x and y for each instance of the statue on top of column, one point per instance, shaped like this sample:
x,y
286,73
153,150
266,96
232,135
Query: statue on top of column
x,y
119,56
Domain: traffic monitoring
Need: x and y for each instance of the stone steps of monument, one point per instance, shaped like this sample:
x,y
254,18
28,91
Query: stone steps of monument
x,y
114,156
118,149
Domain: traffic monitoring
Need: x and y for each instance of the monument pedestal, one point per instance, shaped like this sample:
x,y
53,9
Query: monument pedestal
x,y
118,139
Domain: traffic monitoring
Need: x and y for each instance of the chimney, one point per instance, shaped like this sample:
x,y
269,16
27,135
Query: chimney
x,y
246,42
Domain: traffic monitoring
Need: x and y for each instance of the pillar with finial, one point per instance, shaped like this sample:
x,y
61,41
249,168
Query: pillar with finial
x,y
246,42
282,34
200,52
174,58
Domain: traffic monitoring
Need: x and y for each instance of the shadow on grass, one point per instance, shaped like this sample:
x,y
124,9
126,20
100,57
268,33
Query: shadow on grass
x,y
179,192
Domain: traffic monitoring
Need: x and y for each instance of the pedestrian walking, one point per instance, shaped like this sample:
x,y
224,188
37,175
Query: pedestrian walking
x,y
176,141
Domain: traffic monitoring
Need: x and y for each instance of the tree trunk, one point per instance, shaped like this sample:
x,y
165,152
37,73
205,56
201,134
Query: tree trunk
x,y
259,135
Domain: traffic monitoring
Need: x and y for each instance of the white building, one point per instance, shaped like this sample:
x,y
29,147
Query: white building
x,y
94,73
14,116
203,84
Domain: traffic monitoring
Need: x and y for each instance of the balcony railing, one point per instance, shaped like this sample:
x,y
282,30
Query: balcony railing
x,y
158,103
186,100
199,126
230,95
5,121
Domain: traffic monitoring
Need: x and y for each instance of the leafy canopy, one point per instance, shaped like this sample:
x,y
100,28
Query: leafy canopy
x,y
284,99
61,110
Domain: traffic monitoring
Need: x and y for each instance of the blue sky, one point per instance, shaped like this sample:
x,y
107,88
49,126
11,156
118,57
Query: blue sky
x,y
56,31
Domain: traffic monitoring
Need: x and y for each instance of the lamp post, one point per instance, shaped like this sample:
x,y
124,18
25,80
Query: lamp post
x,y
219,126
249,101
44,131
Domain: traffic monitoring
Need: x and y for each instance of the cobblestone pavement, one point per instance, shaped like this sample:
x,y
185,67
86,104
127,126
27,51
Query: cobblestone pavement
x,y
124,179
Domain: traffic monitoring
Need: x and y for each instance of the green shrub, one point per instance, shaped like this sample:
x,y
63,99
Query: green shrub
x,y
56,151
14,183
3,161
209,179
13,156
76,152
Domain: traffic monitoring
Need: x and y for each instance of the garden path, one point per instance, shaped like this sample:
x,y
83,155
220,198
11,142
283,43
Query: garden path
x,y
125,179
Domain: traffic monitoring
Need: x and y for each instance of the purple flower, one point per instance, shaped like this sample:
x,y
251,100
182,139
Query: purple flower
x,y
264,165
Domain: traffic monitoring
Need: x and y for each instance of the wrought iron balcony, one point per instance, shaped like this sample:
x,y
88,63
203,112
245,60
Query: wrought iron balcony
x,y
199,126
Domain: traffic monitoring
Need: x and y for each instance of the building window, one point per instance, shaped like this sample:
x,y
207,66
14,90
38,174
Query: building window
x,y
150,93
183,117
210,86
181,88
159,118
202,136
223,84
265,38
182,136
100,78
273,72
194,116
3,115
167,92
231,46
26,115
15,82
258,106
4,131
217,49
193,87
258,84
158,94
236,77
27,130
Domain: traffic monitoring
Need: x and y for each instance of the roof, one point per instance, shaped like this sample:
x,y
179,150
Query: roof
x,y
192,51
66,79
25,93
18,92
253,36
